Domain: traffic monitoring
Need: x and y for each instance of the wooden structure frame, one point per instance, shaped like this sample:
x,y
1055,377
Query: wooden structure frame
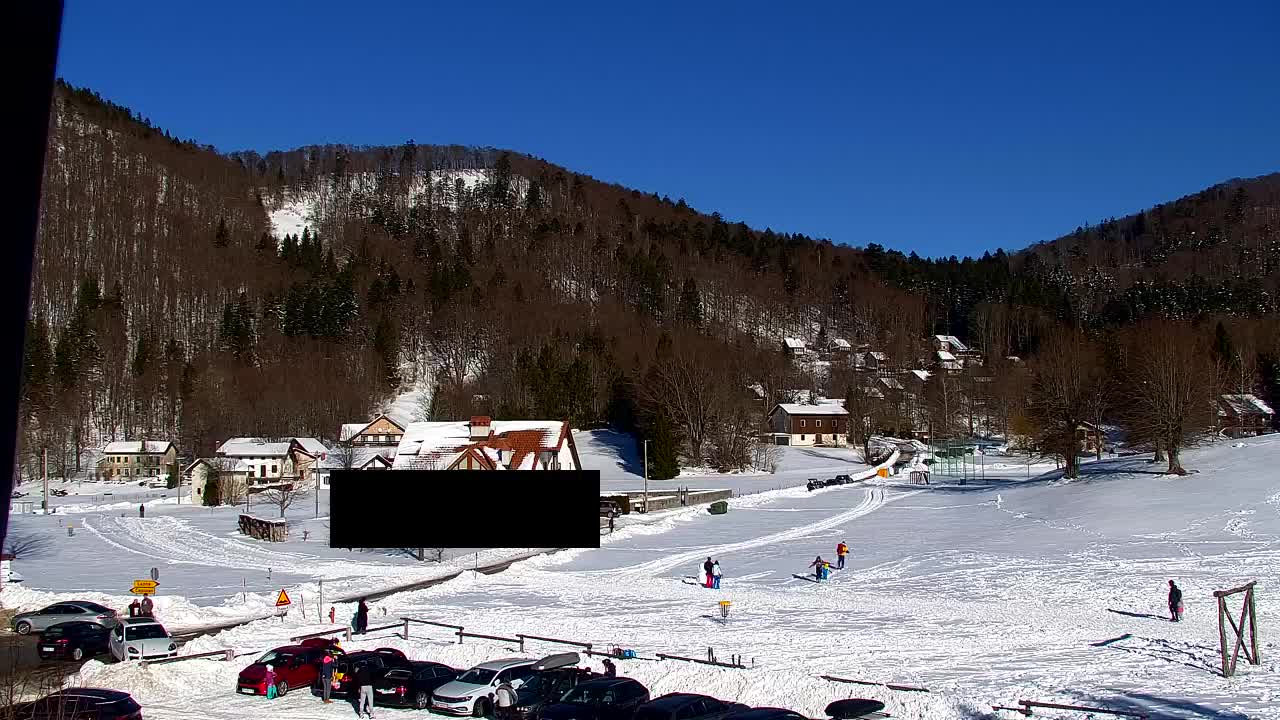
x,y
1248,625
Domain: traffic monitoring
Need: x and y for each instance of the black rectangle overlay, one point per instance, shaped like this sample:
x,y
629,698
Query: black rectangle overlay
x,y
464,508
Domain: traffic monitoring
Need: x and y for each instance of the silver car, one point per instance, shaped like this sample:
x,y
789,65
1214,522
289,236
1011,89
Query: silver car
x,y
141,639
69,611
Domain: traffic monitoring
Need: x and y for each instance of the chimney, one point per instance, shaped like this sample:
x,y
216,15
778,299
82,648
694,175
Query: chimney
x,y
479,427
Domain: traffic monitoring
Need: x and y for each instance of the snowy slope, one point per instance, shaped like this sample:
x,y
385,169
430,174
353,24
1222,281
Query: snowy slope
x,y
1019,589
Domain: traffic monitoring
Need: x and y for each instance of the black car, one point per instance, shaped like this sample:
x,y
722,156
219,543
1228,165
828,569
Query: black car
x,y
843,480
765,713
854,708
80,704
411,686
686,706
344,669
606,698
74,640
543,688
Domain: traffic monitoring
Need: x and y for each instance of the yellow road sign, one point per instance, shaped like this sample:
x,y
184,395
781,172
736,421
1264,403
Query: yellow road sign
x,y
283,599
144,587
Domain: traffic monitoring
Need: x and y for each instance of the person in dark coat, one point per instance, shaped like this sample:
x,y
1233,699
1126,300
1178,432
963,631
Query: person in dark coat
x,y
326,677
817,566
610,670
134,608
362,617
148,608
364,680
142,511
1175,602
707,567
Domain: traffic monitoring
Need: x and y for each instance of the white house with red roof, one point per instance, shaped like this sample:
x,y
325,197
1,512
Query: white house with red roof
x,y
485,444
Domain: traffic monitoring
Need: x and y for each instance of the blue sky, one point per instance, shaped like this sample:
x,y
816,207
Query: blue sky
x,y
939,127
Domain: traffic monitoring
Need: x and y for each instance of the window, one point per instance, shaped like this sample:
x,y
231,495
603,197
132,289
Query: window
x,y
817,423
804,437
802,423
262,471
274,470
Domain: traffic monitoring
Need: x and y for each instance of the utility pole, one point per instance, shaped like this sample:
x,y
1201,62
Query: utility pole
x,y
44,469
646,477
316,465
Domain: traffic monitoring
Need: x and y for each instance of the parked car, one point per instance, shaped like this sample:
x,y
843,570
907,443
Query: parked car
x,y
552,677
141,639
295,666
69,611
605,698
344,669
855,708
813,484
75,640
765,713
80,704
411,687
843,480
686,706
472,692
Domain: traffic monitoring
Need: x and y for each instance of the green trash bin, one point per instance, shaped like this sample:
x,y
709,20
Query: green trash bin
x,y
719,507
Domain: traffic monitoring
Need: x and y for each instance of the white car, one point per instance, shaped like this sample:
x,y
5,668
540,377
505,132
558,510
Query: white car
x,y
472,693
141,639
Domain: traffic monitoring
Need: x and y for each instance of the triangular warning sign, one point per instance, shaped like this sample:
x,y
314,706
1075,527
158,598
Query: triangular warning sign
x,y
283,599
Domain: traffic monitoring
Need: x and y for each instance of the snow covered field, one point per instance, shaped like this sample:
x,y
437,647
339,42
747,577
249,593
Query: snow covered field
x,y
986,594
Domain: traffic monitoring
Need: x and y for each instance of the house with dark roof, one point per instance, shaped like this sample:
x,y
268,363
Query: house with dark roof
x,y
482,443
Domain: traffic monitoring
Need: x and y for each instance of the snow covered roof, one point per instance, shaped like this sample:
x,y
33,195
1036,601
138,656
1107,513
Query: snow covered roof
x,y
350,430
312,446
878,355
831,408
953,341
437,445
1246,405
137,447
233,464
922,374
793,343
360,457
892,383
945,356
840,344
254,447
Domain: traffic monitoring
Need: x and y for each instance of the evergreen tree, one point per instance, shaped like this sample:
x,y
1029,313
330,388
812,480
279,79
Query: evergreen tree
x,y
1223,349
37,366
690,305
140,356
386,343
664,461
222,237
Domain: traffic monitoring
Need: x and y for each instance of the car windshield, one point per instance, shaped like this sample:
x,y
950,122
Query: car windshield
x,y
477,676
275,657
145,632
94,607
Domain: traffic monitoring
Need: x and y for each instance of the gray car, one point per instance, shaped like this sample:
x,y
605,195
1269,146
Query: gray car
x,y
69,611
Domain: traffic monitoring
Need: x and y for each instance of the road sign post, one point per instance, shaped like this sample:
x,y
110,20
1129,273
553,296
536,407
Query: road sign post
x,y
282,604
144,587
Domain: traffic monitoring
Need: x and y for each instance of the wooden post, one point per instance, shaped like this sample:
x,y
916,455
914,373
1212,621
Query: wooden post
x,y
406,629
1253,627
1222,635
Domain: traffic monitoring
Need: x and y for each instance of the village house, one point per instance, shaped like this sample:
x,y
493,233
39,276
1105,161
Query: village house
x,y
794,346
871,361
485,444
798,424
354,458
1090,436
129,459
1243,415
259,463
230,471
840,348
382,431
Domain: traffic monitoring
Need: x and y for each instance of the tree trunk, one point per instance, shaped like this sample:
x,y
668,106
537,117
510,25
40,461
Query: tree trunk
x,y
1175,462
1159,453
1073,466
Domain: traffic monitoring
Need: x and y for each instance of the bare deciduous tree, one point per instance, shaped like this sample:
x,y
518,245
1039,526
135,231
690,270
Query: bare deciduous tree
x,y
1170,385
1064,374
286,495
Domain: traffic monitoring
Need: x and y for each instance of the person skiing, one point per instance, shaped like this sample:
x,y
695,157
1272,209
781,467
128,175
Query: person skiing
x,y
326,677
817,567
610,670
269,678
148,608
1175,602
841,551
364,679
707,568
715,574
362,617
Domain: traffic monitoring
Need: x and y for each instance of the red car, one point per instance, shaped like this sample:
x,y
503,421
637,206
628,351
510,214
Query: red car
x,y
294,665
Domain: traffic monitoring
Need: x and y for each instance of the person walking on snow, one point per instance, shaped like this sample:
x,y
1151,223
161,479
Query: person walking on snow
x,y
715,574
708,568
326,677
817,567
1175,602
364,679
841,551
362,617
142,511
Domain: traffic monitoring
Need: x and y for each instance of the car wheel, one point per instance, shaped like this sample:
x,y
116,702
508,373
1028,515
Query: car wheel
x,y
421,701
77,654
482,707
23,628
282,688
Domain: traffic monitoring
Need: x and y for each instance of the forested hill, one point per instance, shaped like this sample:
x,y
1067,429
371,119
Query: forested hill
x,y
182,293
